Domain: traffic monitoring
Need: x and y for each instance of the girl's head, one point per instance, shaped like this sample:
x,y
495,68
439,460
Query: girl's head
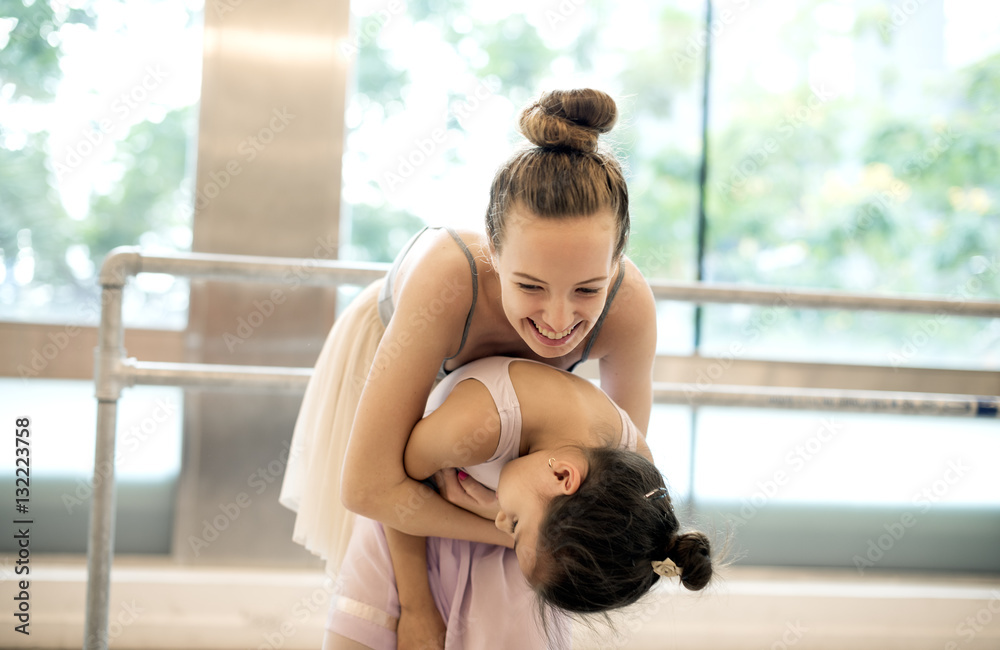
x,y
558,220
590,542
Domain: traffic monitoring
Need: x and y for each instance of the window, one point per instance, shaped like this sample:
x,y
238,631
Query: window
x,y
852,146
98,112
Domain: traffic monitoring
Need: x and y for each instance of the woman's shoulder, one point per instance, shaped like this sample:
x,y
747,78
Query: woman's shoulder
x,y
631,317
437,267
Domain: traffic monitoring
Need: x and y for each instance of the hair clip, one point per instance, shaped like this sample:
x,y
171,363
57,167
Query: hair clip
x,y
666,568
658,493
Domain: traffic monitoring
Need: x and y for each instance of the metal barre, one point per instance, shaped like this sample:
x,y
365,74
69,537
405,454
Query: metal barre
x,y
113,371
222,377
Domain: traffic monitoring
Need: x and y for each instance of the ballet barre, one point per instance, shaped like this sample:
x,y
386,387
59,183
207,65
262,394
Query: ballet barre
x,y
114,371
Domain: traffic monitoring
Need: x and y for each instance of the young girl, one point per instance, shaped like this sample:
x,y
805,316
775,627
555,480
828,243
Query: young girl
x,y
592,525
548,281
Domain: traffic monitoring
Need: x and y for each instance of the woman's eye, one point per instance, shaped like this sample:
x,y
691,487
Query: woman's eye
x,y
513,526
527,287
589,292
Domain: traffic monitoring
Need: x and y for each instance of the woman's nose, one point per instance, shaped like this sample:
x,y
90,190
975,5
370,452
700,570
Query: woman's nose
x,y
559,315
499,523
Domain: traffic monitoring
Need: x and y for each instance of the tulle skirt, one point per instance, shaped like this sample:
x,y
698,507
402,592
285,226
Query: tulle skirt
x,y
311,485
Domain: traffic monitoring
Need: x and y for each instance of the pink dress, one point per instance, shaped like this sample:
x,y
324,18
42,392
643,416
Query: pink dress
x,y
478,588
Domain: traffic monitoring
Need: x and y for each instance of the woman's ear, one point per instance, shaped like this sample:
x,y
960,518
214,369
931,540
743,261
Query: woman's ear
x,y
616,268
493,258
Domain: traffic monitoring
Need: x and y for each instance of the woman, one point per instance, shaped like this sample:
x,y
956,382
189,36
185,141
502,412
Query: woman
x,y
548,281
592,524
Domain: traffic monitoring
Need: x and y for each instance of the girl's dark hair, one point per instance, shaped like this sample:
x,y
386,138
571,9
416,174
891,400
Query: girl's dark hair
x,y
596,547
565,174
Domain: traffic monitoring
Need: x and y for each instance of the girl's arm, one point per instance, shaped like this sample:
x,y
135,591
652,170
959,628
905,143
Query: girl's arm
x,y
437,443
420,334
628,347
463,431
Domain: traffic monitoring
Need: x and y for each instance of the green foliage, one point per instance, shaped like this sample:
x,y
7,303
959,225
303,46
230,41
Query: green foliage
x,y
377,234
30,60
149,197
28,201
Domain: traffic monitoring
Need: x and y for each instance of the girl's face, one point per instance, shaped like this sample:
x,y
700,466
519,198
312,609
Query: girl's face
x,y
526,486
555,275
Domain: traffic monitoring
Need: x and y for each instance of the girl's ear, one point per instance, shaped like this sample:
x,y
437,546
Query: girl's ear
x,y
569,474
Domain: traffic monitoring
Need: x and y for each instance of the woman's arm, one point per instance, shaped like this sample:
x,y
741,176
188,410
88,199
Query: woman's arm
x,y
374,482
627,345
420,623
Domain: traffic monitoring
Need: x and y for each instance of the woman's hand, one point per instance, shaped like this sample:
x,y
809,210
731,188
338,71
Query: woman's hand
x,y
467,493
422,629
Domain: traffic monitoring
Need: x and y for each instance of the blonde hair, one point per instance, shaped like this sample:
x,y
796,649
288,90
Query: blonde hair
x,y
566,173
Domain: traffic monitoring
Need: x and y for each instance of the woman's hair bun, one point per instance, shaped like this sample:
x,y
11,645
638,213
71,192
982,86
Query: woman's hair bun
x,y
569,119
693,554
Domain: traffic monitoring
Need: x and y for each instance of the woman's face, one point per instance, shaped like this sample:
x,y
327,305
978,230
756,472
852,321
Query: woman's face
x,y
555,275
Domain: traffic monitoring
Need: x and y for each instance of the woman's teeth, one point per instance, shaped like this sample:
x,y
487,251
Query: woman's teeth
x,y
549,334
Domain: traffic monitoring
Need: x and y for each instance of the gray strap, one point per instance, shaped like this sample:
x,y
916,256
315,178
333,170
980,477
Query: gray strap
x,y
600,321
475,291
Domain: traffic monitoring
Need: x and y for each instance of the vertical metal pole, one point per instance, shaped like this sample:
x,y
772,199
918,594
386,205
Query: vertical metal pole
x,y
100,545
703,171
702,231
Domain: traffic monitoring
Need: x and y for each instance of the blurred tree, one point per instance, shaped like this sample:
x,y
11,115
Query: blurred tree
x,y
28,202
150,196
30,58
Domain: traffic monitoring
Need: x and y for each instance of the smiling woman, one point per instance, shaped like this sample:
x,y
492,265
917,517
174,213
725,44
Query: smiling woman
x,y
548,281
